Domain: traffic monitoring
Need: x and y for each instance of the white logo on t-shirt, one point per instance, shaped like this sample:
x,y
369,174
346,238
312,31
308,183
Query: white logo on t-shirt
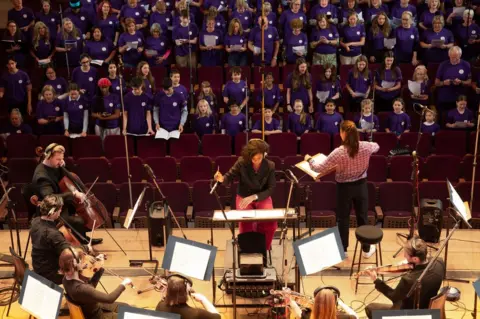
x,y
24,16
474,32
110,22
207,125
104,49
246,18
461,71
57,109
190,32
403,123
143,103
162,44
358,32
174,104
137,13
90,79
273,96
241,40
168,4
442,38
412,36
301,18
300,41
82,18
80,106
269,36
218,23
118,88
240,122
53,19
330,35
20,81
19,131
243,89
167,19
59,86
111,104
336,123
216,38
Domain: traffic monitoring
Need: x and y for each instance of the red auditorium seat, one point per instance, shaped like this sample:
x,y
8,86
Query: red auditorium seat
x,y
473,136
165,168
148,146
464,190
434,190
119,169
451,143
185,77
224,163
407,72
409,140
2,147
323,200
401,168
241,140
467,168
89,168
314,143
441,167
214,145
289,163
177,195
203,203
186,145
106,193
277,160
280,195
20,170
45,140
21,145
194,168
395,200
383,120
386,141
159,73
89,146
115,146
377,169
213,74
137,188
283,144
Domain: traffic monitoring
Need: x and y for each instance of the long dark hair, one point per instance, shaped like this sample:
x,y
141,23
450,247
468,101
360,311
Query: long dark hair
x,y
352,140
300,79
394,69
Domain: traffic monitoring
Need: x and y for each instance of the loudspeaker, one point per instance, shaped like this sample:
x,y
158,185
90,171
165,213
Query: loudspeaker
x,y
158,224
431,220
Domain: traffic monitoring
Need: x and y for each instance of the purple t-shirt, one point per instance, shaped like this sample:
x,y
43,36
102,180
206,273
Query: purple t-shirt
x,y
132,56
107,104
22,17
182,90
365,122
294,125
245,17
184,33
387,76
406,43
271,36
375,41
274,125
398,123
352,34
430,129
326,86
82,20
138,13
455,116
86,81
59,84
359,84
116,85
136,107
329,10
290,41
287,17
15,87
22,129
211,57
165,20
161,45
169,110
330,34
74,53
427,18
109,27
437,55
398,10
44,48
51,20
233,124
300,93
99,50
371,12
76,112
461,71
204,125
329,123
235,91
272,96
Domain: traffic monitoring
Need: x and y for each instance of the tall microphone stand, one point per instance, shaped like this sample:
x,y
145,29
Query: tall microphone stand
x,y
373,111
246,110
192,93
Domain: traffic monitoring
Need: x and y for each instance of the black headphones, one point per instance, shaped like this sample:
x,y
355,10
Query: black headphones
x,y
50,148
335,291
187,281
414,246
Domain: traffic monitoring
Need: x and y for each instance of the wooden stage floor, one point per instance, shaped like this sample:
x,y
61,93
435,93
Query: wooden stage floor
x,y
463,262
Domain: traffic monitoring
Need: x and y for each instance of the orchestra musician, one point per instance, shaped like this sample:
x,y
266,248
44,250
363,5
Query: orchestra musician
x,y
176,297
95,304
256,176
415,252
46,179
47,241
350,161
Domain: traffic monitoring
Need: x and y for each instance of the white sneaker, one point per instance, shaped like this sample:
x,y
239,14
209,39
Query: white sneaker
x,y
370,253
346,254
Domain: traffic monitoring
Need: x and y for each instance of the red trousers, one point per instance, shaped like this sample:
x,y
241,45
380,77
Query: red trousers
x,y
266,228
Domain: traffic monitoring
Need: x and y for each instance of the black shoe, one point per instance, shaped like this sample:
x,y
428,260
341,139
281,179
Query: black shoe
x,y
96,241
64,312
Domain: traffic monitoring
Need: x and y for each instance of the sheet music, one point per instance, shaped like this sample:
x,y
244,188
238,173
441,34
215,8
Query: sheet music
x,y
437,43
39,298
388,84
70,44
257,50
414,87
320,253
305,166
312,22
164,134
458,11
359,94
180,41
210,40
389,43
322,96
44,61
132,45
74,135
397,21
97,62
151,52
236,47
458,204
299,49
182,260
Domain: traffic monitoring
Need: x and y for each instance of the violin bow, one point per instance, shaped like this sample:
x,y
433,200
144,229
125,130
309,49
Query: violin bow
x,y
91,186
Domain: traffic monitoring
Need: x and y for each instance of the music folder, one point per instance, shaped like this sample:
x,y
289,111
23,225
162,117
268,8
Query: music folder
x,y
406,314
40,297
128,312
305,166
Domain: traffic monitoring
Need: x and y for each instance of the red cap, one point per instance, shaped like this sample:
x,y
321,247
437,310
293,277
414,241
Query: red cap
x,y
104,82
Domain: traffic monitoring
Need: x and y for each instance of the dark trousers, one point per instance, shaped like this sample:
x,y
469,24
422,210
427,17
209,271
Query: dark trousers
x,y
356,192
376,306
76,222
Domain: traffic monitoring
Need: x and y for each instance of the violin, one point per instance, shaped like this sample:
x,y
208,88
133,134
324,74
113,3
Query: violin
x,y
387,269
89,264
303,301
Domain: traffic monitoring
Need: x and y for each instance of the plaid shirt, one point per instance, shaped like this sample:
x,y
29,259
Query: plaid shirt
x,y
347,169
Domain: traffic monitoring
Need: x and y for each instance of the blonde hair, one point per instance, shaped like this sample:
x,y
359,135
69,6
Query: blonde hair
x,y
325,305
303,115
364,103
418,68
438,19
37,36
197,110
75,33
50,88
231,27
53,149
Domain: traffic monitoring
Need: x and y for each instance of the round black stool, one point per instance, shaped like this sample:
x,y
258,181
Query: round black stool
x,y
368,235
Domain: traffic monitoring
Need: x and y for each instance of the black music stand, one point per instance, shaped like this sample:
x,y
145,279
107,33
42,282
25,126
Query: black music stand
x,y
127,312
406,313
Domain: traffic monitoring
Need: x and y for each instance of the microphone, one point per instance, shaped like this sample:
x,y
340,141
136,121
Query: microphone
x,y
291,176
414,155
423,107
214,187
149,171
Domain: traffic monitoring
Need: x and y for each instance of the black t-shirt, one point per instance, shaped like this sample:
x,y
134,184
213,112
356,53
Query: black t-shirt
x,y
187,312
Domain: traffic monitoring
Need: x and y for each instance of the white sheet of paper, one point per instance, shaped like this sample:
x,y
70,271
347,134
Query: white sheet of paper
x,y
151,52
300,48
74,135
182,260
180,41
319,254
162,133
461,124
359,94
38,299
132,45
388,84
312,22
409,317
459,205
322,96
436,43
414,87
43,61
305,166
372,17
257,50
389,43
97,62
70,44
210,40
459,11
236,47
360,16
146,6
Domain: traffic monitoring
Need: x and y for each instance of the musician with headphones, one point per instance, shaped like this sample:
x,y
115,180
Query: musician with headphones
x,y
256,184
81,291
415,252
45,181
176,297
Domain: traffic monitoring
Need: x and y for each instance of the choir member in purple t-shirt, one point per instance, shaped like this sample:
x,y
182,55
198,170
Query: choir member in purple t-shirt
x,y
133,10
461,116
299,121
204,121
170,108
427,16
15,125
82,18
15,88
137,117
329,121
106,110
379,31
236,90
23,17
219,21
352,39
42,46
373,9
359,82
295,12
454,78
177,86
85,77
49,17
388,82
398,121
236,44
429,126
324,40
244,15
108,22
420,76
271,96
115,80
144,72
406,36
271,43
99,47
69,44
211,45
161,16
328,87
49,113
58,83
14,43
399,8
295,43
436,42
326,8
233,122
299,86
156,47
467,35
366,121
185,37
207,94
131,44
75,112
271,124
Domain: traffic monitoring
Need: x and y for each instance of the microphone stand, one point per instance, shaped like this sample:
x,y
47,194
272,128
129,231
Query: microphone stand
x,y
246,112
231,226
373,111
12,219
192,93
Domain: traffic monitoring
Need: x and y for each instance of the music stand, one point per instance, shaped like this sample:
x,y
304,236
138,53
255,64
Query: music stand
x,y
476,287
40,297
128,221
128,312
319,251
180,253
407,314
